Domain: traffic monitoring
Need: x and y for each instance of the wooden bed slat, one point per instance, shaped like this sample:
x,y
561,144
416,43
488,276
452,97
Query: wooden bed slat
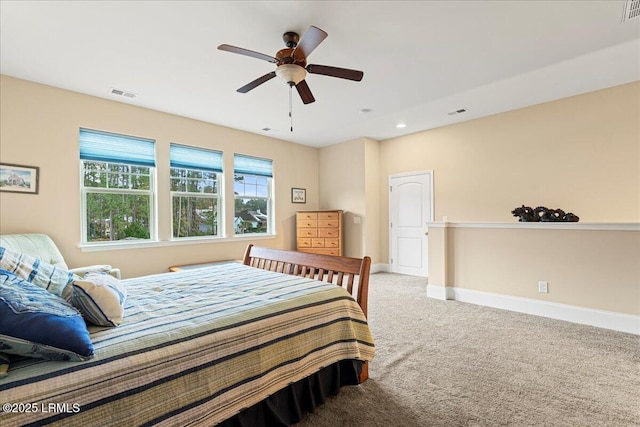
x,y
326,268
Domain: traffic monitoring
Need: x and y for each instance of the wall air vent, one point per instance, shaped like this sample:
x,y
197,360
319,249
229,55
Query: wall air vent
x,y
631,10
121,92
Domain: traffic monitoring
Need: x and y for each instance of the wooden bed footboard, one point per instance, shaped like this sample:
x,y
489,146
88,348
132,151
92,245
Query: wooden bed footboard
x,y
350,273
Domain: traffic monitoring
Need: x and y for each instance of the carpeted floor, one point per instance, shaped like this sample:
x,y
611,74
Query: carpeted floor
x,y
445,363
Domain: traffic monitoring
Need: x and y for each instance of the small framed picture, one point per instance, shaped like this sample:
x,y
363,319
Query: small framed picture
x,y
298,195
19,178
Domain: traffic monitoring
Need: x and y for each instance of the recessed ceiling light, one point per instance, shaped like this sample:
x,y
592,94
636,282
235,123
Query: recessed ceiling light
x,y
401,125
365,110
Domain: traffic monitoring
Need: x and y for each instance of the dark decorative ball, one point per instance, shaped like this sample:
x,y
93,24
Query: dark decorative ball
x,y
543,214
525,213
570,217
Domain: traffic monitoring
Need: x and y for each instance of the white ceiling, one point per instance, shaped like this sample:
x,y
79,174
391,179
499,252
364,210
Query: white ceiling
x,y
421,60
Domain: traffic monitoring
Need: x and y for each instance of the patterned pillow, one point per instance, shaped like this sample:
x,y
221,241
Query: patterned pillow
x,y
100,298
36,323
36,271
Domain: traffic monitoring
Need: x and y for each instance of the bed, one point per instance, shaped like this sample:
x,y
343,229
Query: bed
x,y
252,343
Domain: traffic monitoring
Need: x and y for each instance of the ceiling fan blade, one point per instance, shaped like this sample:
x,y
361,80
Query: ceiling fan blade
x,y
305,92
247,52
257,82
309,41
341,73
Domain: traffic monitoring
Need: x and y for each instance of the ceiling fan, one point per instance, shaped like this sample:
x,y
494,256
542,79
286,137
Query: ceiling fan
x,y
292,63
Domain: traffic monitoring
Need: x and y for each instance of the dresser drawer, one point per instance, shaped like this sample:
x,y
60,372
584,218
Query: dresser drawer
x,y
307,223
329,215
334,252
331,243
328,223
317,243
329,232
304,243
307,215
307,232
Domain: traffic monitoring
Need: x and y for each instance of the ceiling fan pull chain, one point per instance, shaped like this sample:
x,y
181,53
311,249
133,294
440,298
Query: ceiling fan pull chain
x,y
290,108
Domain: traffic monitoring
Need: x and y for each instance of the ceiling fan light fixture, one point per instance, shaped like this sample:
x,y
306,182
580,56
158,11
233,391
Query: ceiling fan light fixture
x,y
292,74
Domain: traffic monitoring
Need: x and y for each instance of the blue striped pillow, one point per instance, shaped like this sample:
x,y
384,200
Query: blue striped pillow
x,y
100,298
36,271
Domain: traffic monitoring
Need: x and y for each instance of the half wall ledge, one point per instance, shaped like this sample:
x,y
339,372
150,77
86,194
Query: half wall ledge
x,y
592,269
612,226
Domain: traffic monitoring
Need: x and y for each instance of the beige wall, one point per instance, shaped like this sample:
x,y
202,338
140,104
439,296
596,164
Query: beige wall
x,y
597,269
581,154
349,175
372,201
342,174
39,127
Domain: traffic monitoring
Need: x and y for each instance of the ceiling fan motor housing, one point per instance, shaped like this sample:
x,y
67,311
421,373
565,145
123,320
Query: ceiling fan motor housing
x,y
290,39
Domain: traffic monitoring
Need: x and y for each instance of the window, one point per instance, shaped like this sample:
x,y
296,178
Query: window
x,y
195,191
253,195
117,187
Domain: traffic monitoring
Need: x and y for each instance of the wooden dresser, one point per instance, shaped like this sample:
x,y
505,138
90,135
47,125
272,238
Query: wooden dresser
x,y
319,232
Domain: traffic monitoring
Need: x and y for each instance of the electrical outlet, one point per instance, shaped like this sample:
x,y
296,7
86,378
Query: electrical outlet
x,y
543,287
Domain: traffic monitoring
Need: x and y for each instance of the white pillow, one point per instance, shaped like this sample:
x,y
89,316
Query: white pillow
x,y
100,298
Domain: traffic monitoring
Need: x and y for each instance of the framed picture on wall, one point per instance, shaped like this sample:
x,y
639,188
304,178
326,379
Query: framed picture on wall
x,y
298,195
19,178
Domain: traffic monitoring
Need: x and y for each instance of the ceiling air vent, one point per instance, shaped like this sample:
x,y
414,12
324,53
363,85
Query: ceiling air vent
x,y
631,10
461,110
121,92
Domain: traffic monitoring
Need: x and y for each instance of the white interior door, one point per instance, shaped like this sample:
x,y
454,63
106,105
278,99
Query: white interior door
x,y
410,209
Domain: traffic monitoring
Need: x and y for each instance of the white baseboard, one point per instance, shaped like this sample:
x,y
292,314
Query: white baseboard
x,y
379,268
587,316
437,292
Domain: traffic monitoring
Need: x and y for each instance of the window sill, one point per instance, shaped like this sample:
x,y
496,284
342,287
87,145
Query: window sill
x,y
97,247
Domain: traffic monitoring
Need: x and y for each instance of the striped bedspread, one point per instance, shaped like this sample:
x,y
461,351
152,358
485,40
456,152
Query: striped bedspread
x,y
194,348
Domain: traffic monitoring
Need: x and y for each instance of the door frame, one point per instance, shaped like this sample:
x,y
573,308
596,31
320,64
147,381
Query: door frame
x,y
428,172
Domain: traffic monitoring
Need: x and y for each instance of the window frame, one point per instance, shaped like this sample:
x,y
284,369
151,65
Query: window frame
x,y
151,192
217,196
270,205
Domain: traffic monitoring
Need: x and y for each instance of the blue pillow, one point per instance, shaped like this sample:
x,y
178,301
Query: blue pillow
x,y
36,323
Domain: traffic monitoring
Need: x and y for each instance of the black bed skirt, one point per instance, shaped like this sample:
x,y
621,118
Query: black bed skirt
x,y
287,406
